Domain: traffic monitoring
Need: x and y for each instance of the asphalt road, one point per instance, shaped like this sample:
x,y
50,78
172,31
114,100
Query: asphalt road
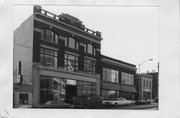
x,y
152,106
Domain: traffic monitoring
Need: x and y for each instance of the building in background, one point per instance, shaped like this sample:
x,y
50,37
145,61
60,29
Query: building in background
x,y
143,84
61,59
117,79
155,84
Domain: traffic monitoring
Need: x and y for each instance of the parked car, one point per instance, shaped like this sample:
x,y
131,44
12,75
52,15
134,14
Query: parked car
x,y
88,102
116,102
143,101
55,104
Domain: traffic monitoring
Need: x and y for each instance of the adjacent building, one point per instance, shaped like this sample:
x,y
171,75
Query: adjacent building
x,y
143,84
60,59
155,84
117,79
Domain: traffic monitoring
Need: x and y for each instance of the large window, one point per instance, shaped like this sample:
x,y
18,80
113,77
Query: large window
x,y
86,88
109,94
71,62
52,88
49,36
127,78
48,57
72,43
89,66
110,75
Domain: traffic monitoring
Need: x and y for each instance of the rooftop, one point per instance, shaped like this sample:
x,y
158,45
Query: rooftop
x,y
68,19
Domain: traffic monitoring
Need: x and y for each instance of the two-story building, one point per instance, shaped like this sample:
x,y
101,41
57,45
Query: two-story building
x,y
143,84
117,78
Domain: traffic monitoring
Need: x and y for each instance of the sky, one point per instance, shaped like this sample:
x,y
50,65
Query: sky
x,y
130,34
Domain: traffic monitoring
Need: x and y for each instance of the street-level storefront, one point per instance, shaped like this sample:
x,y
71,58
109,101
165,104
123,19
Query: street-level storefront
x,y
53,84
111,90
117,79
63,89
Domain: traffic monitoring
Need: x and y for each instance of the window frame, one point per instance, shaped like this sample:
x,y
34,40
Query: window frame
x,y
93,65
44,55
53,36
76,60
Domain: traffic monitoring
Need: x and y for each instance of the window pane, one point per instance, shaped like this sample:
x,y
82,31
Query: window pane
x,y
71,42
90,48
49,36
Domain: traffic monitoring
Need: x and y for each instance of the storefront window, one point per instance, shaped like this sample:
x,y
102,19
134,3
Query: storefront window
x,y
48,57
23,98
49,36
71,62
127,78
86,88
52,89
89,66
110,75
110,94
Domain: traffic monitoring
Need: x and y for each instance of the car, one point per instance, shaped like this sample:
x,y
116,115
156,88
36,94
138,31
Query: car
x,y
143,101
117,102
88,102
55,104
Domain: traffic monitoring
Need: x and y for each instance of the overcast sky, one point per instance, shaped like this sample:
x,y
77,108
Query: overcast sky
x,y
130,34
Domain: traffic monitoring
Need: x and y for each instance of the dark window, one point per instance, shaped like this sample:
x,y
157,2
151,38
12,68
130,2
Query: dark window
x,y
89,66
52,88
71,62
85,47
65,40
48,57
49,36
23,98
144,83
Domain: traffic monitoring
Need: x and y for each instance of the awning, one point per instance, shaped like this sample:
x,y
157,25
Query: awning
x,y
118,87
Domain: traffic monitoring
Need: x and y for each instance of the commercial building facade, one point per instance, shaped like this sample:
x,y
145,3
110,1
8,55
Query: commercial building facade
x,y
60,57
117,79
143,84
155,84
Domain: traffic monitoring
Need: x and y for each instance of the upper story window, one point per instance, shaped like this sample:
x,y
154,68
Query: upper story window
x,y
71,62
49,36
65,40
127,78
110,75
48,57
89,66
72,43
90,48
149,84
144,83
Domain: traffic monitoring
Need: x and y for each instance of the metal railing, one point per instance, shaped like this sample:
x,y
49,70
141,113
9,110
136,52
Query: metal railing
x,y
63,19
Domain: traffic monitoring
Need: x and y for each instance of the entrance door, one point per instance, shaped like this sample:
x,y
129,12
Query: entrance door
x,y
71,91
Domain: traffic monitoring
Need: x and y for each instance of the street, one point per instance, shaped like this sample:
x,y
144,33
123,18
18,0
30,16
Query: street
x,y
152,106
